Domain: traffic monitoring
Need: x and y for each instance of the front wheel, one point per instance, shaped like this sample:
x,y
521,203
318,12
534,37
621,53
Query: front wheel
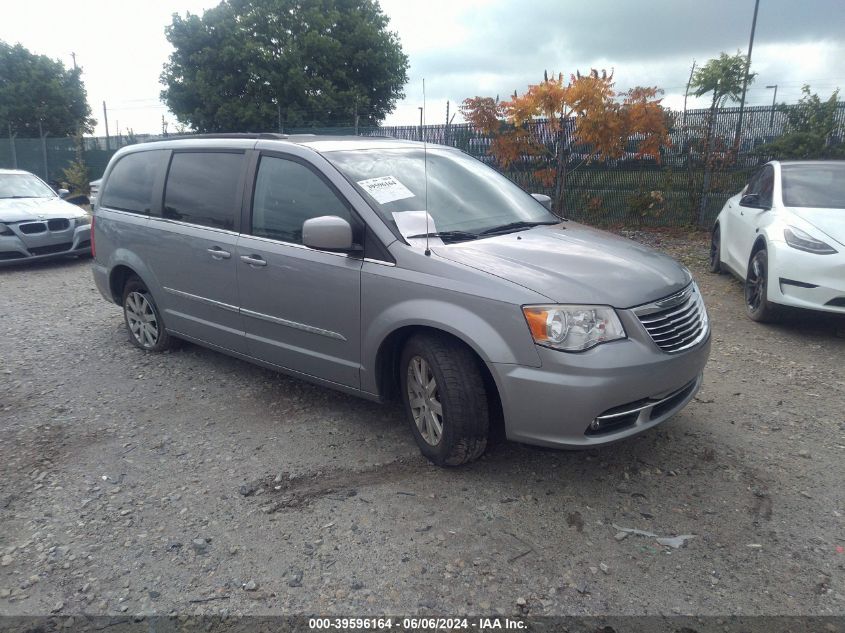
x,y
716,251
757,306
444,399
143,321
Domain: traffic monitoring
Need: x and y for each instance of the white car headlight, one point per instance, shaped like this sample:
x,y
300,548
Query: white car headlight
x,y
803,241
82,220
5,230
573,328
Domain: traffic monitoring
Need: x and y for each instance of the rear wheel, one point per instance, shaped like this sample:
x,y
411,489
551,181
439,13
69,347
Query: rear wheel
x,y
445,399
757,305
143,321
716,250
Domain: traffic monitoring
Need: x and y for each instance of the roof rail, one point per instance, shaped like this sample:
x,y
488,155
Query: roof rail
x,y
244,135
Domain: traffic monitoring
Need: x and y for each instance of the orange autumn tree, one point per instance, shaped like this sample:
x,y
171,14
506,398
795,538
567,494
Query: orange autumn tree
x,y
587,111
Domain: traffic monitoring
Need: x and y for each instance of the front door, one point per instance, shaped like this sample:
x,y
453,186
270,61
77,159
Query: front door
x,y
301,307
748,219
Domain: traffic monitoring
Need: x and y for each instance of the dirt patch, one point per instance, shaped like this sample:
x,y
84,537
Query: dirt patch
x,y
289,491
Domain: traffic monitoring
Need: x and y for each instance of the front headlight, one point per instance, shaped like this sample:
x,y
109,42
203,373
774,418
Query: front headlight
x,y
803,241
82,220
5,230
573,328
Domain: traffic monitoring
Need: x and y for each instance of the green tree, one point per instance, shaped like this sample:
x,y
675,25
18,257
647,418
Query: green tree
x,y
245,64
76,174
723,77
810,129
35,88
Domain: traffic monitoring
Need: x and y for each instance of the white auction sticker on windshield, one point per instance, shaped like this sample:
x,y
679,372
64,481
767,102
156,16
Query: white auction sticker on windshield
x,y
386,189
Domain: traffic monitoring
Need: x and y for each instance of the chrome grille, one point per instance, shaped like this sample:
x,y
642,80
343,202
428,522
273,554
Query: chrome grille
x,y
677,322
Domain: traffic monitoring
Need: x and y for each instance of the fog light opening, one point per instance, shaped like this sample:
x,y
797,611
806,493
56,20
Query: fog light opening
x,y
595,425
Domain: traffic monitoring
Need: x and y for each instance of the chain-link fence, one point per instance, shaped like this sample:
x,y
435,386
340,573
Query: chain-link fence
x,y
700,169
697,172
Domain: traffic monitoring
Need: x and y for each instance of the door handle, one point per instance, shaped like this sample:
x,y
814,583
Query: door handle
x,y
219,253
253,260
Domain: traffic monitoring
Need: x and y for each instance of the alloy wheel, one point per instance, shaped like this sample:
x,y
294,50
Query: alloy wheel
x,y
755,285
141,319
424,399
714,250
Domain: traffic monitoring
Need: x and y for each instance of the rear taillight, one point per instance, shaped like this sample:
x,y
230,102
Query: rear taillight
x,y
93,245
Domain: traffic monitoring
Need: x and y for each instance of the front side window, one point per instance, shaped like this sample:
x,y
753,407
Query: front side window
x,y
816,185
286,194
767,185
461,194
754,183
130,183
204,188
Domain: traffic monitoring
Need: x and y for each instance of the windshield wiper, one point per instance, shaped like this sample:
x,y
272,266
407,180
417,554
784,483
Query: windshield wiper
x,y
449,235
515,226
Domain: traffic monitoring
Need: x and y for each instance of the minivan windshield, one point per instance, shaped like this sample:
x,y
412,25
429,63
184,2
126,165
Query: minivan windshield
x,y
24,186
820,185
465,198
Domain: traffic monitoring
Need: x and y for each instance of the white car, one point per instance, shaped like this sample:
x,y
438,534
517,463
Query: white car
x,y
94,187
35,223
784,234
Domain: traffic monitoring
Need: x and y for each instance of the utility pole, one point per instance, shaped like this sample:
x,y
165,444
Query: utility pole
x,y
446,129
686,94
163,126
774,101
106,121
745,76
73,55
279,115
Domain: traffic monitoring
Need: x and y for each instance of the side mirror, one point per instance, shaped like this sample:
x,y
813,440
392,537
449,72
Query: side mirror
x,y
752,201
63,193
543,199
328,233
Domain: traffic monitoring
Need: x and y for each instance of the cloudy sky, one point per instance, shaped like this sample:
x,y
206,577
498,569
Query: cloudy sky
x,y
465,48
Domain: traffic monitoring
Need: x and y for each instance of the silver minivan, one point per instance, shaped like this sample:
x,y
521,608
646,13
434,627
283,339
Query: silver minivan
x,y
388,269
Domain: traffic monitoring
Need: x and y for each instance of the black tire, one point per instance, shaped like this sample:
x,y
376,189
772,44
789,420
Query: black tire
x,y
458,390
757,306
716,250
141,337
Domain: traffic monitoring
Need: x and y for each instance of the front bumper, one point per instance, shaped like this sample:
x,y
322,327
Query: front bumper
x,y
806,280
629,386
20,248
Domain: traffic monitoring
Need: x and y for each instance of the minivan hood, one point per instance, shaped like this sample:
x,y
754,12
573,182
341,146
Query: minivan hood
x,y
23,209
829,221
572,263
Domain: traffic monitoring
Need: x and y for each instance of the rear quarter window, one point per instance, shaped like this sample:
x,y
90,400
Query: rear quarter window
x,y
204,188
131,181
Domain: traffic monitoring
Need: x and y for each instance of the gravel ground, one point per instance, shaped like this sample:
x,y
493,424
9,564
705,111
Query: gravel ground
x,y
191,482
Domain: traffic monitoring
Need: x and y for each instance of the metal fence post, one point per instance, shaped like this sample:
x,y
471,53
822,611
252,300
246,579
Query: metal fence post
x,y
12,146
44,151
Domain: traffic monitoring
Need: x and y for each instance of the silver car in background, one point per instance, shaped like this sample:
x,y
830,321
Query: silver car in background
x,y
389,270
35,223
